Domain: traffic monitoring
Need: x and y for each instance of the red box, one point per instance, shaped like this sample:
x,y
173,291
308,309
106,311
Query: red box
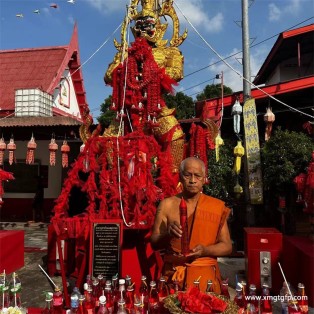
x,y
297,263
263,240
11,250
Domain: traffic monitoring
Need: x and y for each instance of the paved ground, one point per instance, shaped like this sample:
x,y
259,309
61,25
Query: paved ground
x,y
35,283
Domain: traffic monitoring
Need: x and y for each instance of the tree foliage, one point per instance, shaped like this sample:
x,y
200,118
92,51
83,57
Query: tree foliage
x,y
284,156
107,115
184,105
220,172
213,91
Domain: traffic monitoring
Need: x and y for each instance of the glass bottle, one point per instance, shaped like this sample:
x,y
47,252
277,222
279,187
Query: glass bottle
x,y
81,308
293,307
209,287
238,300
89,303
57,301
284,297
109,296
253,298
129,300
196,284
266,306
96,291
122,291
143,292
121,307
138,309
4,291
128,281
244,292
303,299
163,290
48,307
102,305
250,309
15,290
102,284
225,289
153,298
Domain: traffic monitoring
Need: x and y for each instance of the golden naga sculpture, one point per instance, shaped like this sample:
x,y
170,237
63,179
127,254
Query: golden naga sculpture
x,y
142,72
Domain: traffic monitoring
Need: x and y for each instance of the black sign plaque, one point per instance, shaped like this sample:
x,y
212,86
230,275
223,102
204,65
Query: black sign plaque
x,y
106,248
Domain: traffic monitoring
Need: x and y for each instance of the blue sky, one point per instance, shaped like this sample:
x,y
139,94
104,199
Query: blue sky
x,y
217,21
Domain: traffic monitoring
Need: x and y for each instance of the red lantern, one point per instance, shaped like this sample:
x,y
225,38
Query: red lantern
x,y
30,155
269,118
3,146
11,148
65,149
53,147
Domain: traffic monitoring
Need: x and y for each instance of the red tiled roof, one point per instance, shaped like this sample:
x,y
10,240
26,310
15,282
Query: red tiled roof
x,y
27,68
38,121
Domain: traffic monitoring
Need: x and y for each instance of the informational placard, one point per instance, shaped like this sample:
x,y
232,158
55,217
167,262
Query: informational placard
x,y
253,152
105,248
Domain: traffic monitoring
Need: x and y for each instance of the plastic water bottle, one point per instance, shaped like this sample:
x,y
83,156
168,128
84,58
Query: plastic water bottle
x,y
75,297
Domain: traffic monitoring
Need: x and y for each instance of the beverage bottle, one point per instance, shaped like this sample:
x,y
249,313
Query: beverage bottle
x,y
163,290
244,293
57,301
129,300
48,307
102,283
238,299
96,292
4,291
284,297
89,303
266,306
15,291
143,292
102,305
303,300
81,308
75,302
121,307
250,309
109,297
293,307
128,281
225,289
122,290
138,308
253,298
196,284
153,300
209,287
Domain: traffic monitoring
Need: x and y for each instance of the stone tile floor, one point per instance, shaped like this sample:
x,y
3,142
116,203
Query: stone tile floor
x,y
35,283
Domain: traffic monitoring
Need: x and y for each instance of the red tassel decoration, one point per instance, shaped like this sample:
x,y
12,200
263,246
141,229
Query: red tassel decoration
x,y
3,146
30,155
184,224
11,148
53,147
65,149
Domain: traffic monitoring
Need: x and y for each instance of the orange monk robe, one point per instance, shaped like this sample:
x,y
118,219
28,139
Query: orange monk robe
x,y
209,216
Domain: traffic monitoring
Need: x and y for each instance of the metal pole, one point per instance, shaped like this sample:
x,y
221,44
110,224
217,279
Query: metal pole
x,y
246,51
250,220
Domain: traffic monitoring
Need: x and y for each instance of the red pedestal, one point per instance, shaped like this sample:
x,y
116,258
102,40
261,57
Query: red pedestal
x,y
11,250
259,240
298,263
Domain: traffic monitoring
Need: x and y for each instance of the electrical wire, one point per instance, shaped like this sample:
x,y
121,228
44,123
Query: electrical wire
x,y
237,72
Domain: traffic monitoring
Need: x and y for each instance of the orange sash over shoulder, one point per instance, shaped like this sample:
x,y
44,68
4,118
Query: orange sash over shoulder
x,y
209,217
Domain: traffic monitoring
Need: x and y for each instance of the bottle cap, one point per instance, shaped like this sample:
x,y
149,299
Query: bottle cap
x,y
152,283
143,277
121,281
102,299
85,286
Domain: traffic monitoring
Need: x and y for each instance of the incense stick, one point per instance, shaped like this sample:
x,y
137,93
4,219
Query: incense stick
x,y
284,277
47,276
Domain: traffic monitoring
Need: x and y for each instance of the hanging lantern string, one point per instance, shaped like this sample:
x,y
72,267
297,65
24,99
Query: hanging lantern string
x,y
235,71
